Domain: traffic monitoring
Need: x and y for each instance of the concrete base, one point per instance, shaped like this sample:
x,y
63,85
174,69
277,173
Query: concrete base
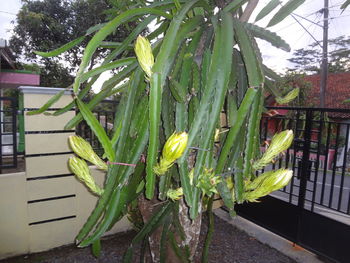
x,y
279,243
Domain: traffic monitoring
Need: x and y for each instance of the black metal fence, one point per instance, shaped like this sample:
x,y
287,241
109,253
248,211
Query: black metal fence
x,y
321,149
313,210
8,133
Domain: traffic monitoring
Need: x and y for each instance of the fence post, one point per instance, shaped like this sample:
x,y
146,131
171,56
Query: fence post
x,y
51,188
57,203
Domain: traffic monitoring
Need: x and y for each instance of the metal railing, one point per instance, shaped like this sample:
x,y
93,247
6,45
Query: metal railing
x,y
8,133
319,156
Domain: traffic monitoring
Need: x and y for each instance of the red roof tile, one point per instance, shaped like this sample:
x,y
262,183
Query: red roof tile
x,y
338,90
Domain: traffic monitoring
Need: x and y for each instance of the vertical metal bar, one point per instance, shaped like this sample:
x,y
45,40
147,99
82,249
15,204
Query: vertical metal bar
x,y
329,130
21,144
334,167
295,155
305,159
289,127
319,141
14,131
304,170
343,167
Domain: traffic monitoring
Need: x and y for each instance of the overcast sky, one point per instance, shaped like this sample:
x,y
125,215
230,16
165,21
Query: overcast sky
x,y
289,29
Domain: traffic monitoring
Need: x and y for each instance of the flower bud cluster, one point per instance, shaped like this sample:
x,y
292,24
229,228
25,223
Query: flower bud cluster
x,y
207,182
175,194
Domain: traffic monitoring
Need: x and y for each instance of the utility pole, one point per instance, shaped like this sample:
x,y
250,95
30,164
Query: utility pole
x,y
324,67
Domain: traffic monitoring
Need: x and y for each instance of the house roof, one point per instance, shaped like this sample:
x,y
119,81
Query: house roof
x,y
338,90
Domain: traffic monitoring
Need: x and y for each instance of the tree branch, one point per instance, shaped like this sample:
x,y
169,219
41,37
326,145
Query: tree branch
x,y
248,10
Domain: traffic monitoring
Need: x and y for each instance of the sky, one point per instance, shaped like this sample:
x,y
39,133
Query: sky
x,y
288,29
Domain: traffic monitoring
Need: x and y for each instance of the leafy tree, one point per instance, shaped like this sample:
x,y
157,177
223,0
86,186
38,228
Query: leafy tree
x,y
308,60
204,58
48,24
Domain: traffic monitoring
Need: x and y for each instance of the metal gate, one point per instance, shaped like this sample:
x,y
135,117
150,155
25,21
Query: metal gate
x,y
313,211
8,133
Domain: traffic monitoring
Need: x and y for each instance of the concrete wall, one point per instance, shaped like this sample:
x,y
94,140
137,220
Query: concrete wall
x,y
45,206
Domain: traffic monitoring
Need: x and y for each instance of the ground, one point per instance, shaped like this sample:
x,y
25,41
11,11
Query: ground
x,y
229,245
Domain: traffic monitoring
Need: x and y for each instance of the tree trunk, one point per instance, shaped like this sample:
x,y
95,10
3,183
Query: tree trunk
x,y
191,230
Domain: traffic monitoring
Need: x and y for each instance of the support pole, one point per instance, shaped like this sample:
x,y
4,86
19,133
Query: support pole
x,y
324,67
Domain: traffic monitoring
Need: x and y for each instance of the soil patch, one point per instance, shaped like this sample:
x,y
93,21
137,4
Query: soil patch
x,y
229,245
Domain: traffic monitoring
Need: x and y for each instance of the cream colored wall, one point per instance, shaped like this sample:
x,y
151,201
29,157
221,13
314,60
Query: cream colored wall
x,y
14,230
46,206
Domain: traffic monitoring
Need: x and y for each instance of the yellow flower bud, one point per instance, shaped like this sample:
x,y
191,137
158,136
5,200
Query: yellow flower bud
x,y
144,55
279,143
289,97
85,151
175,194
172,150
175,146
268,183
81,170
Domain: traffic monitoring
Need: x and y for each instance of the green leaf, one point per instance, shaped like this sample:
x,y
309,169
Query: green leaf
x,y
97,129
106,67
268,36
61,49
48,104
267,9
234,5
271,74
155,101
285,11
125,45
218,79
110,44
105,92
178,91
104,32
270,86
252,135
164,240
126,120
164,61
226,196
345,5
250,57
94,28
96,248
234,130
